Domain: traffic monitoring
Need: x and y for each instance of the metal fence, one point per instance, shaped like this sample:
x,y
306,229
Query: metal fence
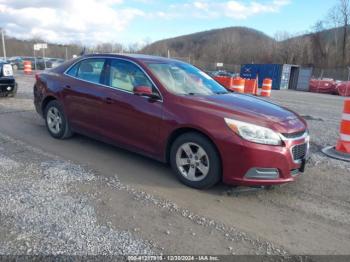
x,y
211,66
340,73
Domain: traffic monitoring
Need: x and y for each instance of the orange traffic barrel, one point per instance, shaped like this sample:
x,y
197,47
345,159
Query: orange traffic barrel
x,y
250,86
238,85
343,144
342,149
266,88
27,67
229,83
225,81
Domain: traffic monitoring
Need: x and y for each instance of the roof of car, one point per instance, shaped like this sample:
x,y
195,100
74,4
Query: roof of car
x,y
139,57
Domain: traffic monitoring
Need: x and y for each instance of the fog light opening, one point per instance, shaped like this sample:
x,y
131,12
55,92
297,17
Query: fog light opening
x,y
9,88
262,173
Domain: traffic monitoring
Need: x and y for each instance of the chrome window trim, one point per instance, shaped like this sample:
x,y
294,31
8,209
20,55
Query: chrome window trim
x,y
114,88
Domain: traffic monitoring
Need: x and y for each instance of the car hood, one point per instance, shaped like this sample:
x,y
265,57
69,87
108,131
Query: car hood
x,y
254,110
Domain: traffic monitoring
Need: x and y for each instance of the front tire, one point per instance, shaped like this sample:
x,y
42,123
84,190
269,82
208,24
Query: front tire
x,y
56,121
195,161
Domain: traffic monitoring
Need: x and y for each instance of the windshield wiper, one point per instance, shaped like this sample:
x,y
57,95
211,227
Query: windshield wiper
x,y
200,94
193,94
222,93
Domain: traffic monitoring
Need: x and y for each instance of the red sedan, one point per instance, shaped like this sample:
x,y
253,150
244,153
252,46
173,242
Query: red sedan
x,y
175,113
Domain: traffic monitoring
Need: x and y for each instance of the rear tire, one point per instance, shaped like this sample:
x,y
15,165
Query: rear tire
x,y
195,161
56,121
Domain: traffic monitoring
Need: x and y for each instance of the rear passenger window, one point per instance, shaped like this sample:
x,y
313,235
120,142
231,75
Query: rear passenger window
x,y
73,70
89,70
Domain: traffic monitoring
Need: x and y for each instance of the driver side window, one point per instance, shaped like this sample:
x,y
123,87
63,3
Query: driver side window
x,y
125,75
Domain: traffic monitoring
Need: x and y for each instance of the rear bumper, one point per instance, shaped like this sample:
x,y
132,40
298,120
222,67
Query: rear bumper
x,y
249,164
38,99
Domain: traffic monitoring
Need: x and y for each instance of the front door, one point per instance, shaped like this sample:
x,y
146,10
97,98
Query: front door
x,y
133,120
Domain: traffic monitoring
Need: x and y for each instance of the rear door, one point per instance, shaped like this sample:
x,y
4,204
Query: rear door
x,y
83,95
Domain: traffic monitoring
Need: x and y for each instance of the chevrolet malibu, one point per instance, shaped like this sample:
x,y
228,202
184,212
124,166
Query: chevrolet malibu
x,y
175,113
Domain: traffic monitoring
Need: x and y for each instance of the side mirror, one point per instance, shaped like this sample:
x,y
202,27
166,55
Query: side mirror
x,y
144,91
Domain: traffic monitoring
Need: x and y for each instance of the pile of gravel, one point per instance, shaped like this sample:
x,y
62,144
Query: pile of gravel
x,y
39,216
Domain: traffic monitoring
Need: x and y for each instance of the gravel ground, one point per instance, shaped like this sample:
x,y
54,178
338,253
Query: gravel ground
x,y
323,115
23,102
40,217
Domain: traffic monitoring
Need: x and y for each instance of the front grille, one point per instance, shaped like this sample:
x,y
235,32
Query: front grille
x,y
299,152
294,135
4,80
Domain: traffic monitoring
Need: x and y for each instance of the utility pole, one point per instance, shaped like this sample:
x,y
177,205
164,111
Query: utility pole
x,y
66,53
3,43
44,58
168,53
34,60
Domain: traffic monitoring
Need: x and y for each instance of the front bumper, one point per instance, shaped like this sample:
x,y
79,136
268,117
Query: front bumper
x,y
7,86
251,164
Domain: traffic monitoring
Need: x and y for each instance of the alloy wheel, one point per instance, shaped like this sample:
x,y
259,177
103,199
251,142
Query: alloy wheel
x,y
54,120
192,161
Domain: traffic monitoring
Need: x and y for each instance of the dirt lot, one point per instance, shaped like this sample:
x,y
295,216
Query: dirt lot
x,y
82,196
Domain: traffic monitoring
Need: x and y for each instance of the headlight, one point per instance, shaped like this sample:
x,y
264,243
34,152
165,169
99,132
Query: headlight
x,y
254,133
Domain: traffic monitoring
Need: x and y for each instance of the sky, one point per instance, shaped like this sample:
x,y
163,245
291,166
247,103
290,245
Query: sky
x,y
92,22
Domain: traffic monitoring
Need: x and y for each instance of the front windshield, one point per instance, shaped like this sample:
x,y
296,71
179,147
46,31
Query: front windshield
x,y
185,79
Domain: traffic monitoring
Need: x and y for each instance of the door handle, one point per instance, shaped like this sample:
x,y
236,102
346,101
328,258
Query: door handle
x,y
67,86
109,100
